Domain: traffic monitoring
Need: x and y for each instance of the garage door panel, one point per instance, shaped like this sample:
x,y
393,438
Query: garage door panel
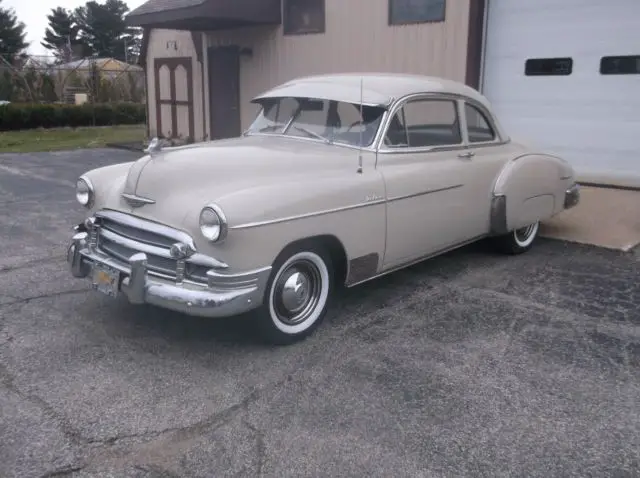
x,y
591,119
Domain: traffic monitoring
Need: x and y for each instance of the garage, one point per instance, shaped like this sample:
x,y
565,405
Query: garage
x,y
565,74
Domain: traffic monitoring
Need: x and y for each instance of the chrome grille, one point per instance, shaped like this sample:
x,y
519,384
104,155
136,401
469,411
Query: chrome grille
x,y
121,236
136,234
163,266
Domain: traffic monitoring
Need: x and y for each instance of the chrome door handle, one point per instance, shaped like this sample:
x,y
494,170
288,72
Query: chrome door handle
x,y
467,155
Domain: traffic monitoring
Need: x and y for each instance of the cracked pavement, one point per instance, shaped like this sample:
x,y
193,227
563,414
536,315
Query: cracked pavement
x,y
471,364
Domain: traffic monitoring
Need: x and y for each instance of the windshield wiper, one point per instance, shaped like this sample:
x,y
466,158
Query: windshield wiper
x,y
312,133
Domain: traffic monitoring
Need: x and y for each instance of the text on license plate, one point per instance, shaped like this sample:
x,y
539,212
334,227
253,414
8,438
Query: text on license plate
x,y
106,280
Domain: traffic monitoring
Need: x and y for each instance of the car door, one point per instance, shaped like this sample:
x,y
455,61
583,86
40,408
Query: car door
x,y
424,163
485,155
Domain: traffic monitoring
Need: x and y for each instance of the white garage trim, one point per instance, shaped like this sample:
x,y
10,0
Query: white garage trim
x,y
589,118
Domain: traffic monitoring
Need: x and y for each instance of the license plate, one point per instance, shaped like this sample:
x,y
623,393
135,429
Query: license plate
x,y
106,280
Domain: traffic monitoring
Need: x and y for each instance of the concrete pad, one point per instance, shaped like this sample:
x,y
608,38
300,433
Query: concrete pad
x,y
605,217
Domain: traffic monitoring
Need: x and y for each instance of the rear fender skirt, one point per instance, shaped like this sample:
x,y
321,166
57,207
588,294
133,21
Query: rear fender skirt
x,y
498,215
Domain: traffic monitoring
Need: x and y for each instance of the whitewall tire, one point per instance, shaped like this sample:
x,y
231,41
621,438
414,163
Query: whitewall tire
x,y
519,240
297,296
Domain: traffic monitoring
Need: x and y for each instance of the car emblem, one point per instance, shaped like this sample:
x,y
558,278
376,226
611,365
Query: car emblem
x,y
136,201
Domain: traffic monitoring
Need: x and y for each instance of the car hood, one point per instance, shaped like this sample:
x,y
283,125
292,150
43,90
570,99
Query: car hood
x,y
180,180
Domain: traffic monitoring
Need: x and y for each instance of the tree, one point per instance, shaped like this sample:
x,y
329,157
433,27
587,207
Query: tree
x,y
12,36
62,36
103,29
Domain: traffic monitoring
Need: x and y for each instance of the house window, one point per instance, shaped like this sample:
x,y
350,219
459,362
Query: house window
x,y
548,66
303,16
402,12
620,65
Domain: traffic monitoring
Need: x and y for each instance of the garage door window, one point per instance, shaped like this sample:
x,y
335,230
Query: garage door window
x,y
478,127
620,65
416,11
425,123
548,66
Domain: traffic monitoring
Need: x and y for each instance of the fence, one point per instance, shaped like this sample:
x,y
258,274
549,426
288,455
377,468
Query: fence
x,y
96,80
109,91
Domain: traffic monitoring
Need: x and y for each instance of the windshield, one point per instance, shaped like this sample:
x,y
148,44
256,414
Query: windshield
x,y
327,120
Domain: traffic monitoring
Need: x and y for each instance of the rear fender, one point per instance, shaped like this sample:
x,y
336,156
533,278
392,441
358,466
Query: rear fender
x,y
529,188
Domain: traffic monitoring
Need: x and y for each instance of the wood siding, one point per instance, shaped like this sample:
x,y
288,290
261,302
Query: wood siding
x,y
357,38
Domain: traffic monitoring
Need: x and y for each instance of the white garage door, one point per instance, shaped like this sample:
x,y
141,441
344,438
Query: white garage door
x,y
552,75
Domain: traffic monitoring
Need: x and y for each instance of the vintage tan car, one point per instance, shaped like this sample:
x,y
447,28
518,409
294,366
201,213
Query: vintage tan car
x,y
339,180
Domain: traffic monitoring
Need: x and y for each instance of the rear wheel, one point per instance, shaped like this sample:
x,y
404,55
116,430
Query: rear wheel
x,y
519,240
297,295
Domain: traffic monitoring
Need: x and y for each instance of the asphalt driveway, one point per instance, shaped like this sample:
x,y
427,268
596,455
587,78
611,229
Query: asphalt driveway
x,y
472,364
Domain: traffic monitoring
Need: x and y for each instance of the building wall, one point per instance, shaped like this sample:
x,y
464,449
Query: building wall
x,y
357,38
174,44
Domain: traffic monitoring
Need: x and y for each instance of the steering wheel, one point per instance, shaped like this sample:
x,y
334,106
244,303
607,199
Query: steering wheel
x,y
354,124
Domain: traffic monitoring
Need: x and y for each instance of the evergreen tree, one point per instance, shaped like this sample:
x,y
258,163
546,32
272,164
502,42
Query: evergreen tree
x,y
12,36
62,36
103,29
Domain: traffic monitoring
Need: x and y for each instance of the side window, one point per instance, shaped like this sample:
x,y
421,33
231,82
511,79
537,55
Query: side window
x,y
478,127
425,123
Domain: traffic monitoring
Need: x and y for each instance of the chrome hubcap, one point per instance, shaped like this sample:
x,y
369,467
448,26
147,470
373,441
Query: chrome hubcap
x,y
297,292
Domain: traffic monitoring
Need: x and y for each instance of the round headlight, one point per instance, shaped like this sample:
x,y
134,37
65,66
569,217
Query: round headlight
x,y
84,192
213,224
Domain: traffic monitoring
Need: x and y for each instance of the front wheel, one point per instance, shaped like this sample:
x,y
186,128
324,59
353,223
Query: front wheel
x,y
519,240
297,296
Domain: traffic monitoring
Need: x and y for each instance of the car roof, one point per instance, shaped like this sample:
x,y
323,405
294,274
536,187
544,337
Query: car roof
x,y
380,89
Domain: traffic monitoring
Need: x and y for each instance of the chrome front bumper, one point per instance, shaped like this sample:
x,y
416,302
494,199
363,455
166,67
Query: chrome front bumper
x,y
225,295
572,196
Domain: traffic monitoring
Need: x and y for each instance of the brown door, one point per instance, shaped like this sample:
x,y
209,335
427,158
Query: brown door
x,y
224,92
174,97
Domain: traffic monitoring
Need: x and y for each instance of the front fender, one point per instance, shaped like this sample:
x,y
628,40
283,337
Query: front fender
x,y
108,182
263,220
530,188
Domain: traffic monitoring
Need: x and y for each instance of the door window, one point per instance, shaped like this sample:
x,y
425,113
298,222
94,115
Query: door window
x,y
424,123
478,127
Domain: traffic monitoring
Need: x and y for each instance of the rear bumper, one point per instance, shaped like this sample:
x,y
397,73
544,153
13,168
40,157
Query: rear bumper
x,y
572,196
225,295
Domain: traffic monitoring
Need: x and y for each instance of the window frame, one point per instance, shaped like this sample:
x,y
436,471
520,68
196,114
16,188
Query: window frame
x,y
287,29
460,101
488,120
393,23
399,108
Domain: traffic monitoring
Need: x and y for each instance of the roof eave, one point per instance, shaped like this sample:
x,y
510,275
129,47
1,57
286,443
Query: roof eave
x,y
211,15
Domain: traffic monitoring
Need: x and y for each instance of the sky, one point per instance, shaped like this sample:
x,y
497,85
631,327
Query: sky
x,y
34,15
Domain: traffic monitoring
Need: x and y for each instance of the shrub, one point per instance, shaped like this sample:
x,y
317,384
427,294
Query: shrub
x,y
17,116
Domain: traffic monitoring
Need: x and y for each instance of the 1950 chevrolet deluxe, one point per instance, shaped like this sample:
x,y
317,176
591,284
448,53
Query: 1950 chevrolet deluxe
x,y
339,179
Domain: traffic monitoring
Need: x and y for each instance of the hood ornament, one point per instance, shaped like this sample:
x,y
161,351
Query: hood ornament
x,y
155,146
136,201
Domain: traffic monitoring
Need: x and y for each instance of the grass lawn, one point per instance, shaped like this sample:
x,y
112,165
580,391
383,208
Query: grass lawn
x,y
59,139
